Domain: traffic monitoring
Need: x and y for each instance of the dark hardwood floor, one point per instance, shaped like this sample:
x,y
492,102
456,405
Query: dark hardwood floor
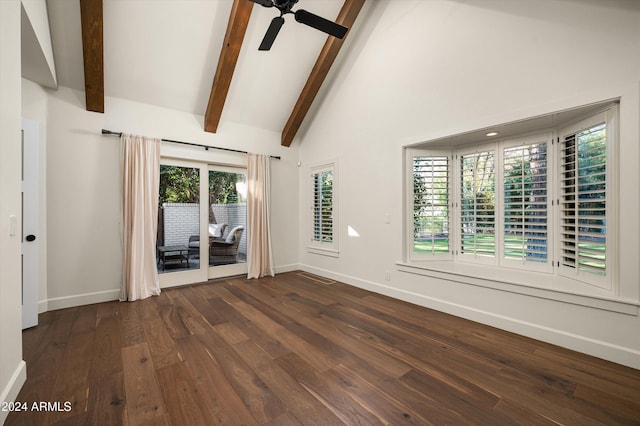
x,y
299,349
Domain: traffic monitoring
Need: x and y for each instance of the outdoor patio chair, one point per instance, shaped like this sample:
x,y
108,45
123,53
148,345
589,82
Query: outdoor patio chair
x,y
194,246
225,250
216,230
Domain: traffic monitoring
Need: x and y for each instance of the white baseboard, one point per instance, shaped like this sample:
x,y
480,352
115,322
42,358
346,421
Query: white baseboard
x,y
10,392
600,349
287,268
109,295
80,299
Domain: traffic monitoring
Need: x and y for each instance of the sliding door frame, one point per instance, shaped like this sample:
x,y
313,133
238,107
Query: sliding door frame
x,y
205,161
221,271
190,276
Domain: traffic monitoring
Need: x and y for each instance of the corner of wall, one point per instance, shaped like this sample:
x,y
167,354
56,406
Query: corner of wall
x,y
10,392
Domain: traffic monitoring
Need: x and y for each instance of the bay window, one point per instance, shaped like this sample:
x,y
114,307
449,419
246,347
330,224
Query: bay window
x,y
541,202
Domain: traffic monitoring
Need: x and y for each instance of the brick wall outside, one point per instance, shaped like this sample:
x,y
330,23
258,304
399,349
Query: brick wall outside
x,y
233,215
181,220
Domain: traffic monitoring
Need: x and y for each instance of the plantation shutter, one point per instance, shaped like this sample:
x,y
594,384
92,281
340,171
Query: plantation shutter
x,y
477,204
583,190
525,204
431,204
323,205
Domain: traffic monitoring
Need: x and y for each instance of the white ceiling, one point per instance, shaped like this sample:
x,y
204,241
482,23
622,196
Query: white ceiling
x,y
165,52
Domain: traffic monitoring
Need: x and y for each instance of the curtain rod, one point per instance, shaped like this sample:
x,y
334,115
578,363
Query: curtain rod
x,y
109,132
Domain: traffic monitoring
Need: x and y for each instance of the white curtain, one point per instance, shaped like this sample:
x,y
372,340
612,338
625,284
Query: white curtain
x,y
141,181
259,257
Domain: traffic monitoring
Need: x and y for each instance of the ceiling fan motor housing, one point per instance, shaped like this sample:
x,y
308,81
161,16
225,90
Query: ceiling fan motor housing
x,y
284,5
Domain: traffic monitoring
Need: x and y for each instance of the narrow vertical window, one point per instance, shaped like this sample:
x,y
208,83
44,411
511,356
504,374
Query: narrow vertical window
x,y
431,205
525,203
583,189
477,204
323,212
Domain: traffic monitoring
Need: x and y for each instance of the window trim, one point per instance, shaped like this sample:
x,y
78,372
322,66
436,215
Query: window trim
x,y
528,283
330,249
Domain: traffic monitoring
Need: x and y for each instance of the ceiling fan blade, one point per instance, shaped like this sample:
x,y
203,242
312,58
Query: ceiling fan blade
x,y
319,23
265,3
272,33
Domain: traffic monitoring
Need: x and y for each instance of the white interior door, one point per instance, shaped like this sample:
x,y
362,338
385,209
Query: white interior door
x,y
30,222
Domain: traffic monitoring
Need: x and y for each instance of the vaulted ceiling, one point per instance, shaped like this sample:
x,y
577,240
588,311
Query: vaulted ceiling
x,y
197,56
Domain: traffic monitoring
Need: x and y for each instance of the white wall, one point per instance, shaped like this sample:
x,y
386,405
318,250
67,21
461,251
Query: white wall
x,y
83,187
438,68
12,368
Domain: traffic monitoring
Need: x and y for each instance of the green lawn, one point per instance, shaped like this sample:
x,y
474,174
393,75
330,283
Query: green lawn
x,y
439,246
513,248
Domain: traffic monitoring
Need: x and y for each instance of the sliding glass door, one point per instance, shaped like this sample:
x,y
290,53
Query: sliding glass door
x,y
185,222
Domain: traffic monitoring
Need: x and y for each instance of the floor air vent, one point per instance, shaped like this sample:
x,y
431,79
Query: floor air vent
x,y
316,278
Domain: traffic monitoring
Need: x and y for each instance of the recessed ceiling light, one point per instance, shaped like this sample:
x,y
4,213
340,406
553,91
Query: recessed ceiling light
x,y
491,134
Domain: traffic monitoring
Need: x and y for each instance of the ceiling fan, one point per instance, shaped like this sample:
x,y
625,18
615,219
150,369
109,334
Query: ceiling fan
x,y
302,16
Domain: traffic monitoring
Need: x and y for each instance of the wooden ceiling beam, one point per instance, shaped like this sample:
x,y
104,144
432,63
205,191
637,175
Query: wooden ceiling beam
x,y
236,29
93,53
347,16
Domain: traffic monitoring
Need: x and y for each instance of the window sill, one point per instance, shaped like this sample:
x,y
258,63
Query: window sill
x,y
523,282
323,251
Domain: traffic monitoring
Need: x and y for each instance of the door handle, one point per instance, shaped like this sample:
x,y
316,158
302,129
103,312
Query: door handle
x,y
30,238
